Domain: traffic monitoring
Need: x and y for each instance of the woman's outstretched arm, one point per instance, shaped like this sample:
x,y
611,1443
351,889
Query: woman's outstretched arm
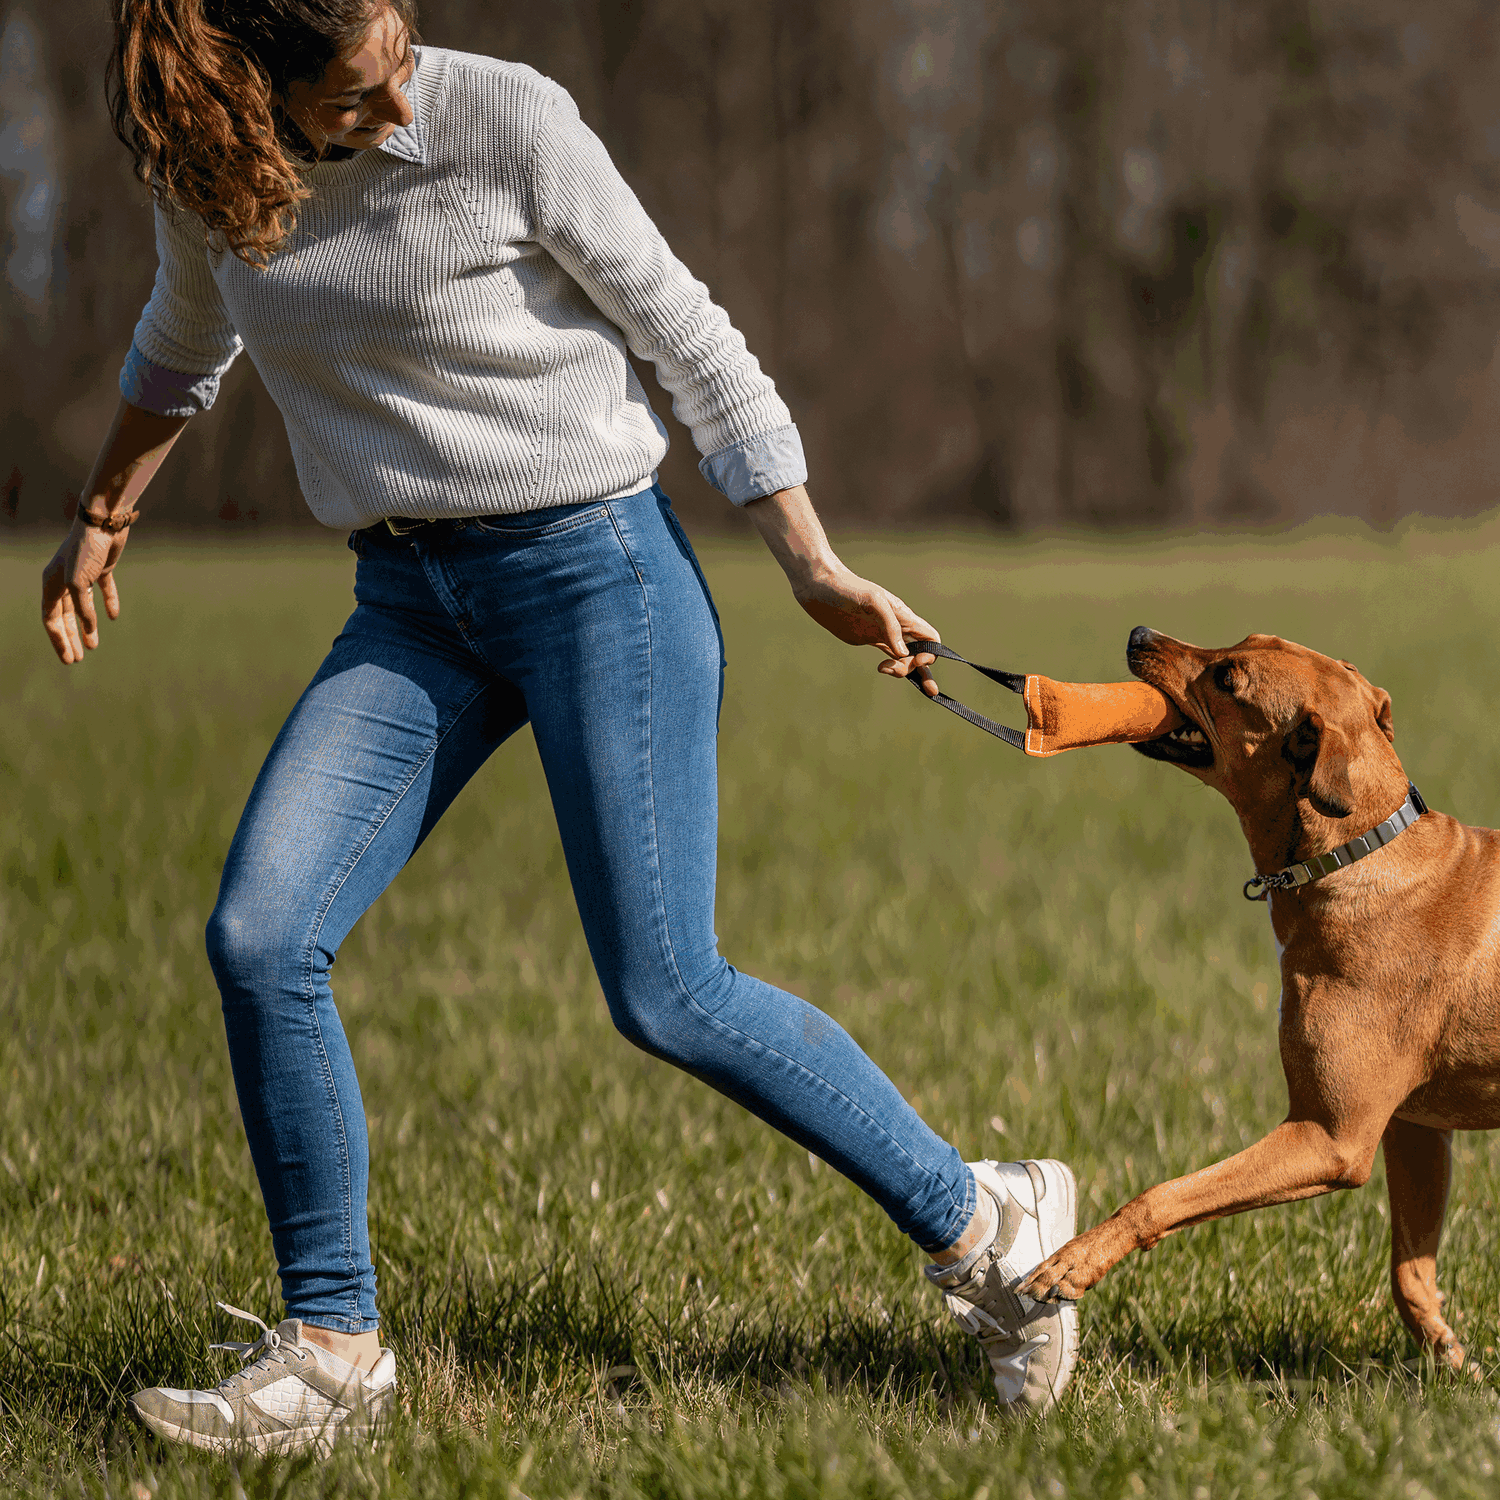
x,y
852,608
132,452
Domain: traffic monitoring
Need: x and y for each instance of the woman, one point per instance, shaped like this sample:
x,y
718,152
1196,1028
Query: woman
x,y
438,273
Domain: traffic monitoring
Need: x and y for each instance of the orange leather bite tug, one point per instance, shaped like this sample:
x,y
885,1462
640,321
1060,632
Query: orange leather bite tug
x,y
1068,715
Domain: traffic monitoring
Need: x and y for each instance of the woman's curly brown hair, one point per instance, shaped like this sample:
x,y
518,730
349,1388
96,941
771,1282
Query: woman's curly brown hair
x,y
193,87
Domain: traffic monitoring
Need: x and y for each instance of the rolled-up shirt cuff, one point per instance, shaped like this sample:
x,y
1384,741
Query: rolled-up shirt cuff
x,y
757,466
168,393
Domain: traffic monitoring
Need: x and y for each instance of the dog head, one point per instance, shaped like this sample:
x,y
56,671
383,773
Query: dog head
x,y
1299,744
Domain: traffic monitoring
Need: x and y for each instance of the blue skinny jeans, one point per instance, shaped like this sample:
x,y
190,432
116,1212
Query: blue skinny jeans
x,y
594,622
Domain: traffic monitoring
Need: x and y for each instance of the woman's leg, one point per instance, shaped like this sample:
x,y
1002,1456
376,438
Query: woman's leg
x,y
397,720
605,624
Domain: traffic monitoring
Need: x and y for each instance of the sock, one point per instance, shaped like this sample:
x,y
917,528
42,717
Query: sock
x,y
979,1232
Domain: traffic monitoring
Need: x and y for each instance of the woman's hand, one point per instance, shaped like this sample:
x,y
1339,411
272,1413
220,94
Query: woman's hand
x,y
857,611
133,450
87,557
862,613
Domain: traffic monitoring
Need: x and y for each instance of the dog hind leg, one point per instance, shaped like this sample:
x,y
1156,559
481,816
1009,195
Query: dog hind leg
x,y
1418,1165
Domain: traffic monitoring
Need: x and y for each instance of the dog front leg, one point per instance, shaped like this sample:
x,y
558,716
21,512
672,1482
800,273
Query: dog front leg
x,y
1418,1166
1299,1159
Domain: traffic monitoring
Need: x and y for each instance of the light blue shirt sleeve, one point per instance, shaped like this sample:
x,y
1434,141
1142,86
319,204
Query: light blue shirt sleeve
x,y
185,327
756,467
168,393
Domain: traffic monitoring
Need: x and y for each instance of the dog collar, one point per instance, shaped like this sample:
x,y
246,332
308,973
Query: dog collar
x,y
1346,854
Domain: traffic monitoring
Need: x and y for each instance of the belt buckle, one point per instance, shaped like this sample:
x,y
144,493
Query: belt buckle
x,y
401,525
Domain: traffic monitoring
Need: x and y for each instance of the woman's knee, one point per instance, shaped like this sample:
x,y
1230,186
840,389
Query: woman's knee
x,y
661,1014
249,947
636,1018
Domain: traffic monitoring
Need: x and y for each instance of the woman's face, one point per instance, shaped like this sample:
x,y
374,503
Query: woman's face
x,y
358,102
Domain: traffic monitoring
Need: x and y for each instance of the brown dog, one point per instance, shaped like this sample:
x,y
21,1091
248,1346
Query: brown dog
x,y
1390,967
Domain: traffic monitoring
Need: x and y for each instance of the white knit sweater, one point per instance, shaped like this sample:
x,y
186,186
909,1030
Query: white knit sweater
x,y
446,331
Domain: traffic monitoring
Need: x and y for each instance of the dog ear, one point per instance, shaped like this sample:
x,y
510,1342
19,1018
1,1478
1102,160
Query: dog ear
x,y
1383,721
1319,754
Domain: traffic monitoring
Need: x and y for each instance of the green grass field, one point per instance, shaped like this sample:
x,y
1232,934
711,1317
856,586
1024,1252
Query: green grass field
x,y
600,1279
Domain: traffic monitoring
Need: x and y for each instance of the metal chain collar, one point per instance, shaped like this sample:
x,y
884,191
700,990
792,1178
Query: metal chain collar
x,y
1259,887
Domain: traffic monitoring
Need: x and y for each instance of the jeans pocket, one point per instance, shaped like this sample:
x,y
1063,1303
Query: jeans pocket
x,y
686,548
536,525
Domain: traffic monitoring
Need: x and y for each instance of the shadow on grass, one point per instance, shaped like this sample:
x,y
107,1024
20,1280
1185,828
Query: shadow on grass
x,y
537,1329
1304,1358
65,1371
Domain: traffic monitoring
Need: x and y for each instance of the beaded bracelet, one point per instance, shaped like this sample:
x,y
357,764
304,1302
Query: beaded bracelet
x,y
111,524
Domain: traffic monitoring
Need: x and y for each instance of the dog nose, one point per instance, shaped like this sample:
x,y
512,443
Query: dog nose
x,y
1141,637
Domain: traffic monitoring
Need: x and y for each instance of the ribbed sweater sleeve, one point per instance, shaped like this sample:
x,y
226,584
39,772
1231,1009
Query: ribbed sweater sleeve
x,y
591,222
185,328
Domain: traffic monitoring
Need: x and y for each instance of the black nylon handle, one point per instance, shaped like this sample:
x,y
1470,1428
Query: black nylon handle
x,y
1015,681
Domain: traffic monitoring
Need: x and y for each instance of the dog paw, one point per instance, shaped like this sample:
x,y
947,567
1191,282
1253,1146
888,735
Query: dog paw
x,y
1452,1355
1438,1337
1445,1358
1064,1276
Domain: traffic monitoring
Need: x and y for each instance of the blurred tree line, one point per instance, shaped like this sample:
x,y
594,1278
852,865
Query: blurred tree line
x,y
1178,262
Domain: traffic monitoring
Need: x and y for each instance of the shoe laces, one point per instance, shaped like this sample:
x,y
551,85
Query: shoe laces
x,y
266,1350
1007,1349
984,1325
990,1331
992,1311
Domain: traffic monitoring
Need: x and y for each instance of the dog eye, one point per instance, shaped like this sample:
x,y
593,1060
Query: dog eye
x,y
1228,677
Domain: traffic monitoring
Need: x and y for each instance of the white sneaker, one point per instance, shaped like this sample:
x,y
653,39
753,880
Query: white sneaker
x,y
1032,1346
291,1395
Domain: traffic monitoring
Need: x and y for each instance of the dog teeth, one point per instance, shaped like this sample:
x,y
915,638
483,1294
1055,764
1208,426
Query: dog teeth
x,y
1189,734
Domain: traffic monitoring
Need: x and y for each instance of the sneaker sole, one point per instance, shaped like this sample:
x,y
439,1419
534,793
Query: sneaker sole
x,y
310,1439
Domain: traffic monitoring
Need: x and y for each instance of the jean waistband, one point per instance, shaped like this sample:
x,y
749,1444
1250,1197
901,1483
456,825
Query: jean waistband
x,y
405,526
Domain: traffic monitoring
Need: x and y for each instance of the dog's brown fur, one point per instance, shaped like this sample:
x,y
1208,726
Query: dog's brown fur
x,y
1390,969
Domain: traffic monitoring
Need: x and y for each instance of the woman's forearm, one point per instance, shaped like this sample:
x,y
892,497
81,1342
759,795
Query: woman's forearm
x,y
850,607
790,527
132,452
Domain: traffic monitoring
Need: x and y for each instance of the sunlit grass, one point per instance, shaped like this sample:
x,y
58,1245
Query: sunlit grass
x,y
599,1277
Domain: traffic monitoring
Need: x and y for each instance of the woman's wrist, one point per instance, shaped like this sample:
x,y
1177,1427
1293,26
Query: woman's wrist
x,y
805,572
789,526
855,610
107,515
